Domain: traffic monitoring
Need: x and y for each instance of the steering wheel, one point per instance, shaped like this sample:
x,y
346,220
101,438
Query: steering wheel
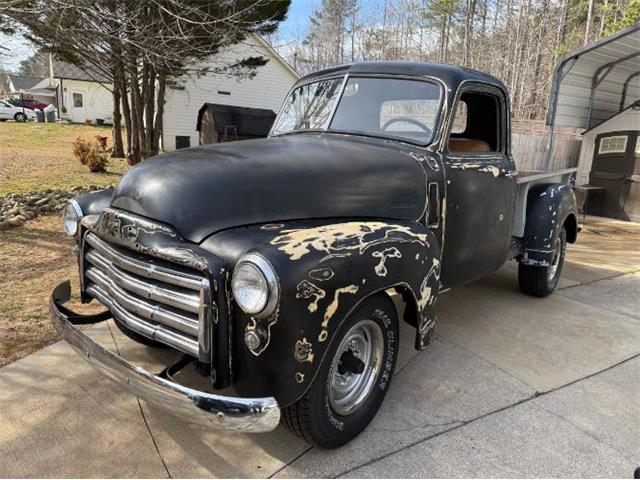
x,y
410,120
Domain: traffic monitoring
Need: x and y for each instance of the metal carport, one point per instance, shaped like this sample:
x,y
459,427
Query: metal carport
x,y
595,82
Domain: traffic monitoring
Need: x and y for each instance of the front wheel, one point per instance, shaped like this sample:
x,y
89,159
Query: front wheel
x,y
542,281
353,378
20,117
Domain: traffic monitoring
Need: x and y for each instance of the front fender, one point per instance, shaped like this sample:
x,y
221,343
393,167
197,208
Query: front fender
x,y
94,203
548,208
325,271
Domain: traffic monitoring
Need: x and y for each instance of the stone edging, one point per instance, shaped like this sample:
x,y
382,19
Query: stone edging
x,y
17,208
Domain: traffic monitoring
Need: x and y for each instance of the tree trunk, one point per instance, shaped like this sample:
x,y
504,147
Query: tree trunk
x,y
136,119
149,109
126,109
118,148
587,30
468,31
157,128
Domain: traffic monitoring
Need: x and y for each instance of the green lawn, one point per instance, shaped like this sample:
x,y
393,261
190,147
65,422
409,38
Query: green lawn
x,y
37,156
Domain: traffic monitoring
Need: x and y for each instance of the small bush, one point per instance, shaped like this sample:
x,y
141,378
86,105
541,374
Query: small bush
x,y
89,154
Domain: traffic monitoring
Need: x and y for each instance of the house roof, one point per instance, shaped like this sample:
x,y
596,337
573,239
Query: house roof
x,y
276,55
22,82
71,72
254,122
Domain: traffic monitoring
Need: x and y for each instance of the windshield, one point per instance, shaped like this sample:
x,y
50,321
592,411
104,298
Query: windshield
x,y
385,107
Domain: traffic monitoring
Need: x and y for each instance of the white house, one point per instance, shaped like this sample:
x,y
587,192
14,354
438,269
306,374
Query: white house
x,y
185,98
79,96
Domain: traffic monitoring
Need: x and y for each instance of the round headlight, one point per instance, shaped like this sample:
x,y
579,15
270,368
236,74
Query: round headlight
x,y
71,216
254,286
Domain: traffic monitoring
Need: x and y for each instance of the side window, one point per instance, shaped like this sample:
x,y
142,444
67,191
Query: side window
x,y
477,124
460,118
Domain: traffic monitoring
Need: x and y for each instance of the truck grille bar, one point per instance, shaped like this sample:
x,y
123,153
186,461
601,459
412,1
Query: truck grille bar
x,y
149,296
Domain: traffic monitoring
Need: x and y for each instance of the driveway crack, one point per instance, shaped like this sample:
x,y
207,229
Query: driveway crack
x,y
492,412
144,418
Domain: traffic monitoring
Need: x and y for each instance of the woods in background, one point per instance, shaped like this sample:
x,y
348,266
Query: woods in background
x,y
518,41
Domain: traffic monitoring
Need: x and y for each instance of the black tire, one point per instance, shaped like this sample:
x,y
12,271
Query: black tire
x,y
542,281
313,417
136,337
20,117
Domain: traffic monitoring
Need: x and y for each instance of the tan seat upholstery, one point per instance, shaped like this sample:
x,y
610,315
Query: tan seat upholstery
x,y
468,145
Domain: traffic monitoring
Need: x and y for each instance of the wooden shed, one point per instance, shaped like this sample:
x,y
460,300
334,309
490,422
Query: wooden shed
x,y
225,123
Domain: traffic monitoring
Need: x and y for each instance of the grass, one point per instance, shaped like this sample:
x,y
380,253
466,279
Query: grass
x,y
37,156
33,260
36,257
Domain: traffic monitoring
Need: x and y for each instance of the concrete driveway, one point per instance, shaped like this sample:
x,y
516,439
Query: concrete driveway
x,y
512,386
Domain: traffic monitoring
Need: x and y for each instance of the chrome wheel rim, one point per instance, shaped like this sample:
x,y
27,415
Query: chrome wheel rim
x,y
555,263
355,367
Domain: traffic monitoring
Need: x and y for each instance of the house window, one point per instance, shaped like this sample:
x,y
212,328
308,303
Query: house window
x,y
183,142
638,145
77,100
615,144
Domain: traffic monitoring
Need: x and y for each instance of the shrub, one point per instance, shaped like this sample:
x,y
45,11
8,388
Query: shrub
x,y
89,154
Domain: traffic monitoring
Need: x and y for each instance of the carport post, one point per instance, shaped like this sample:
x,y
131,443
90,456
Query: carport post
x,y
558,76
22,102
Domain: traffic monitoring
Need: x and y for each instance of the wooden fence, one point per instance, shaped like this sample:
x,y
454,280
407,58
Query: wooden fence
x,y
529,140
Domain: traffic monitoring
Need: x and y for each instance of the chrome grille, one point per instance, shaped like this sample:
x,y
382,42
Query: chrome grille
x,y
153,298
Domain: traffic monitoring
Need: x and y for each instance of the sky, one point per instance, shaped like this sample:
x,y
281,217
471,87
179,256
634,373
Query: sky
x,y
293,27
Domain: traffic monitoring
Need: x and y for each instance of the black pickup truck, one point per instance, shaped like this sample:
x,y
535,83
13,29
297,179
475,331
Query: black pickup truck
x,y
271,263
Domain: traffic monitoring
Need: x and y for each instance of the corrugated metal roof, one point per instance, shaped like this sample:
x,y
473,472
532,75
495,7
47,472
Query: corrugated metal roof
x,y
589,84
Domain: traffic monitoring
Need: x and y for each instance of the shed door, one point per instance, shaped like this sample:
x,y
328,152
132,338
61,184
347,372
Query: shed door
x,y
616,167
78,111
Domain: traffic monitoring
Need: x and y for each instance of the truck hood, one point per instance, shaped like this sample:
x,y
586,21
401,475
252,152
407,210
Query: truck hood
x,y
203,190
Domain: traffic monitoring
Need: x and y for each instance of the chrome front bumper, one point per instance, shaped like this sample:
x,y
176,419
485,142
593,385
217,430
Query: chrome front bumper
x,y
226,413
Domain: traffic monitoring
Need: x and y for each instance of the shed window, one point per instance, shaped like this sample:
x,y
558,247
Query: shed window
x,y
616,144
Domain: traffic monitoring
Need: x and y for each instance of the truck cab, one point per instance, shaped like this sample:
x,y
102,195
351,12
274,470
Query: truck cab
x,y
271,264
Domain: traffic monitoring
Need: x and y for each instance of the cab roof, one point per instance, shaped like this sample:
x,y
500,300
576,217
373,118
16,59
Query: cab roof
x,y
451,75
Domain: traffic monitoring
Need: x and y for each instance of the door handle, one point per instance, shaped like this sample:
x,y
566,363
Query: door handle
x,y
433,214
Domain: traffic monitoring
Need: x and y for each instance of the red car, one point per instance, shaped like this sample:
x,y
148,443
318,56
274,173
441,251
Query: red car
x,y
32,104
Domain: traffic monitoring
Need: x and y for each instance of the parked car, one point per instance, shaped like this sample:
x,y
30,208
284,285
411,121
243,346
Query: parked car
x,y
269,263
28,103
11,112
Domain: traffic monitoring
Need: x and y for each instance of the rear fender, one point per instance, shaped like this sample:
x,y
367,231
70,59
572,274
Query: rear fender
x,y
549,207
325,271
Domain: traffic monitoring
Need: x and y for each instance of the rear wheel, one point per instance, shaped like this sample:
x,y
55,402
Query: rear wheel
x,y
20,117
353,378
542,281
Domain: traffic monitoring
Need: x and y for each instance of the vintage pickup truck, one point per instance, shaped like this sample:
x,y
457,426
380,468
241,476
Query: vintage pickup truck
x,y
271,263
